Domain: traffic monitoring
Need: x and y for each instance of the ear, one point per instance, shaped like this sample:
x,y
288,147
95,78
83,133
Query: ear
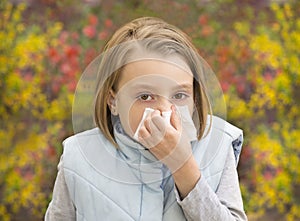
x,y
111,102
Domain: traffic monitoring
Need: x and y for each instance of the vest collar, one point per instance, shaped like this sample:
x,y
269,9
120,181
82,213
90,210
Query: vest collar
x,y
129,146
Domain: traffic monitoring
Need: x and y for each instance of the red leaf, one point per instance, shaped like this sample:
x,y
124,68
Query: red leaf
x,y
108,23
202,20
93,20
89,31
103,35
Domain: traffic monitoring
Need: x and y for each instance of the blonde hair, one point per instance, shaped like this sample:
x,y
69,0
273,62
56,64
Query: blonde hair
x,y
152,35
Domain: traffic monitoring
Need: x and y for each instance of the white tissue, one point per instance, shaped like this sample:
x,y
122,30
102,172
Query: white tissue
x,y
186,121
188,126
166,115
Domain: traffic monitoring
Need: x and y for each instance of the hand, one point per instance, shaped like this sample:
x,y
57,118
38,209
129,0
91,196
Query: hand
x,y
166,141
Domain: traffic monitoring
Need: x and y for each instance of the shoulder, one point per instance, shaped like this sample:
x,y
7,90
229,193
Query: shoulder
x,y
218,124
89,146
85,135
223,132
86,138
84,144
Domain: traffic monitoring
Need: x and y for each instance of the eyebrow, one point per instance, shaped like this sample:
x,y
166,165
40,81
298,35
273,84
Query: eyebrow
x,y
186,86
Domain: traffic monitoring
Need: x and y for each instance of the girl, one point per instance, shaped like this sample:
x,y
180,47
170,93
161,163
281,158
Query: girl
x,y
146,159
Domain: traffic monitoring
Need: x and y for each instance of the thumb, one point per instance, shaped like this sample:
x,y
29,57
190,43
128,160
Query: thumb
x,y
175,119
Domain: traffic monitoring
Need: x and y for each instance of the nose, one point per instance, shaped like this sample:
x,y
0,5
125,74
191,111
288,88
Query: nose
x,y
163,104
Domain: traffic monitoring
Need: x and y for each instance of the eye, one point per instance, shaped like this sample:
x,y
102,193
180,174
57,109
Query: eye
x,y
179,96
145,97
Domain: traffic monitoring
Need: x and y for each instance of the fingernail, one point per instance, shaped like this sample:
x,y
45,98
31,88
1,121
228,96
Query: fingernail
x,y
156,112
173,107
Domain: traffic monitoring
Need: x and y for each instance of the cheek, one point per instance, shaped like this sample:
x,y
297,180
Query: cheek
x,y
135,116
189,103
130,117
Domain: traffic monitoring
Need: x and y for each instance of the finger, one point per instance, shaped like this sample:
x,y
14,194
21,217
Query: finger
x,y
146,124
155,113
159,123
150,135
157,128
147,121
175,118
150,140
143,133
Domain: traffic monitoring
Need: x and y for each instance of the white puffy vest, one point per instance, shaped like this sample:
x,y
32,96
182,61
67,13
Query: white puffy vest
x,y
126,183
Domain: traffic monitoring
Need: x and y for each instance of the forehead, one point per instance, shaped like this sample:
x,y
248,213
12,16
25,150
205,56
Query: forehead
x,y
157,72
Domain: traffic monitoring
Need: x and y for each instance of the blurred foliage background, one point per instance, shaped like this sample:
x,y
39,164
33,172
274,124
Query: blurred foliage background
x,y
252,45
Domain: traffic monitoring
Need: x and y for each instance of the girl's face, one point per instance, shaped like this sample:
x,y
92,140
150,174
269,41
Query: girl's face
x,y
151,83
